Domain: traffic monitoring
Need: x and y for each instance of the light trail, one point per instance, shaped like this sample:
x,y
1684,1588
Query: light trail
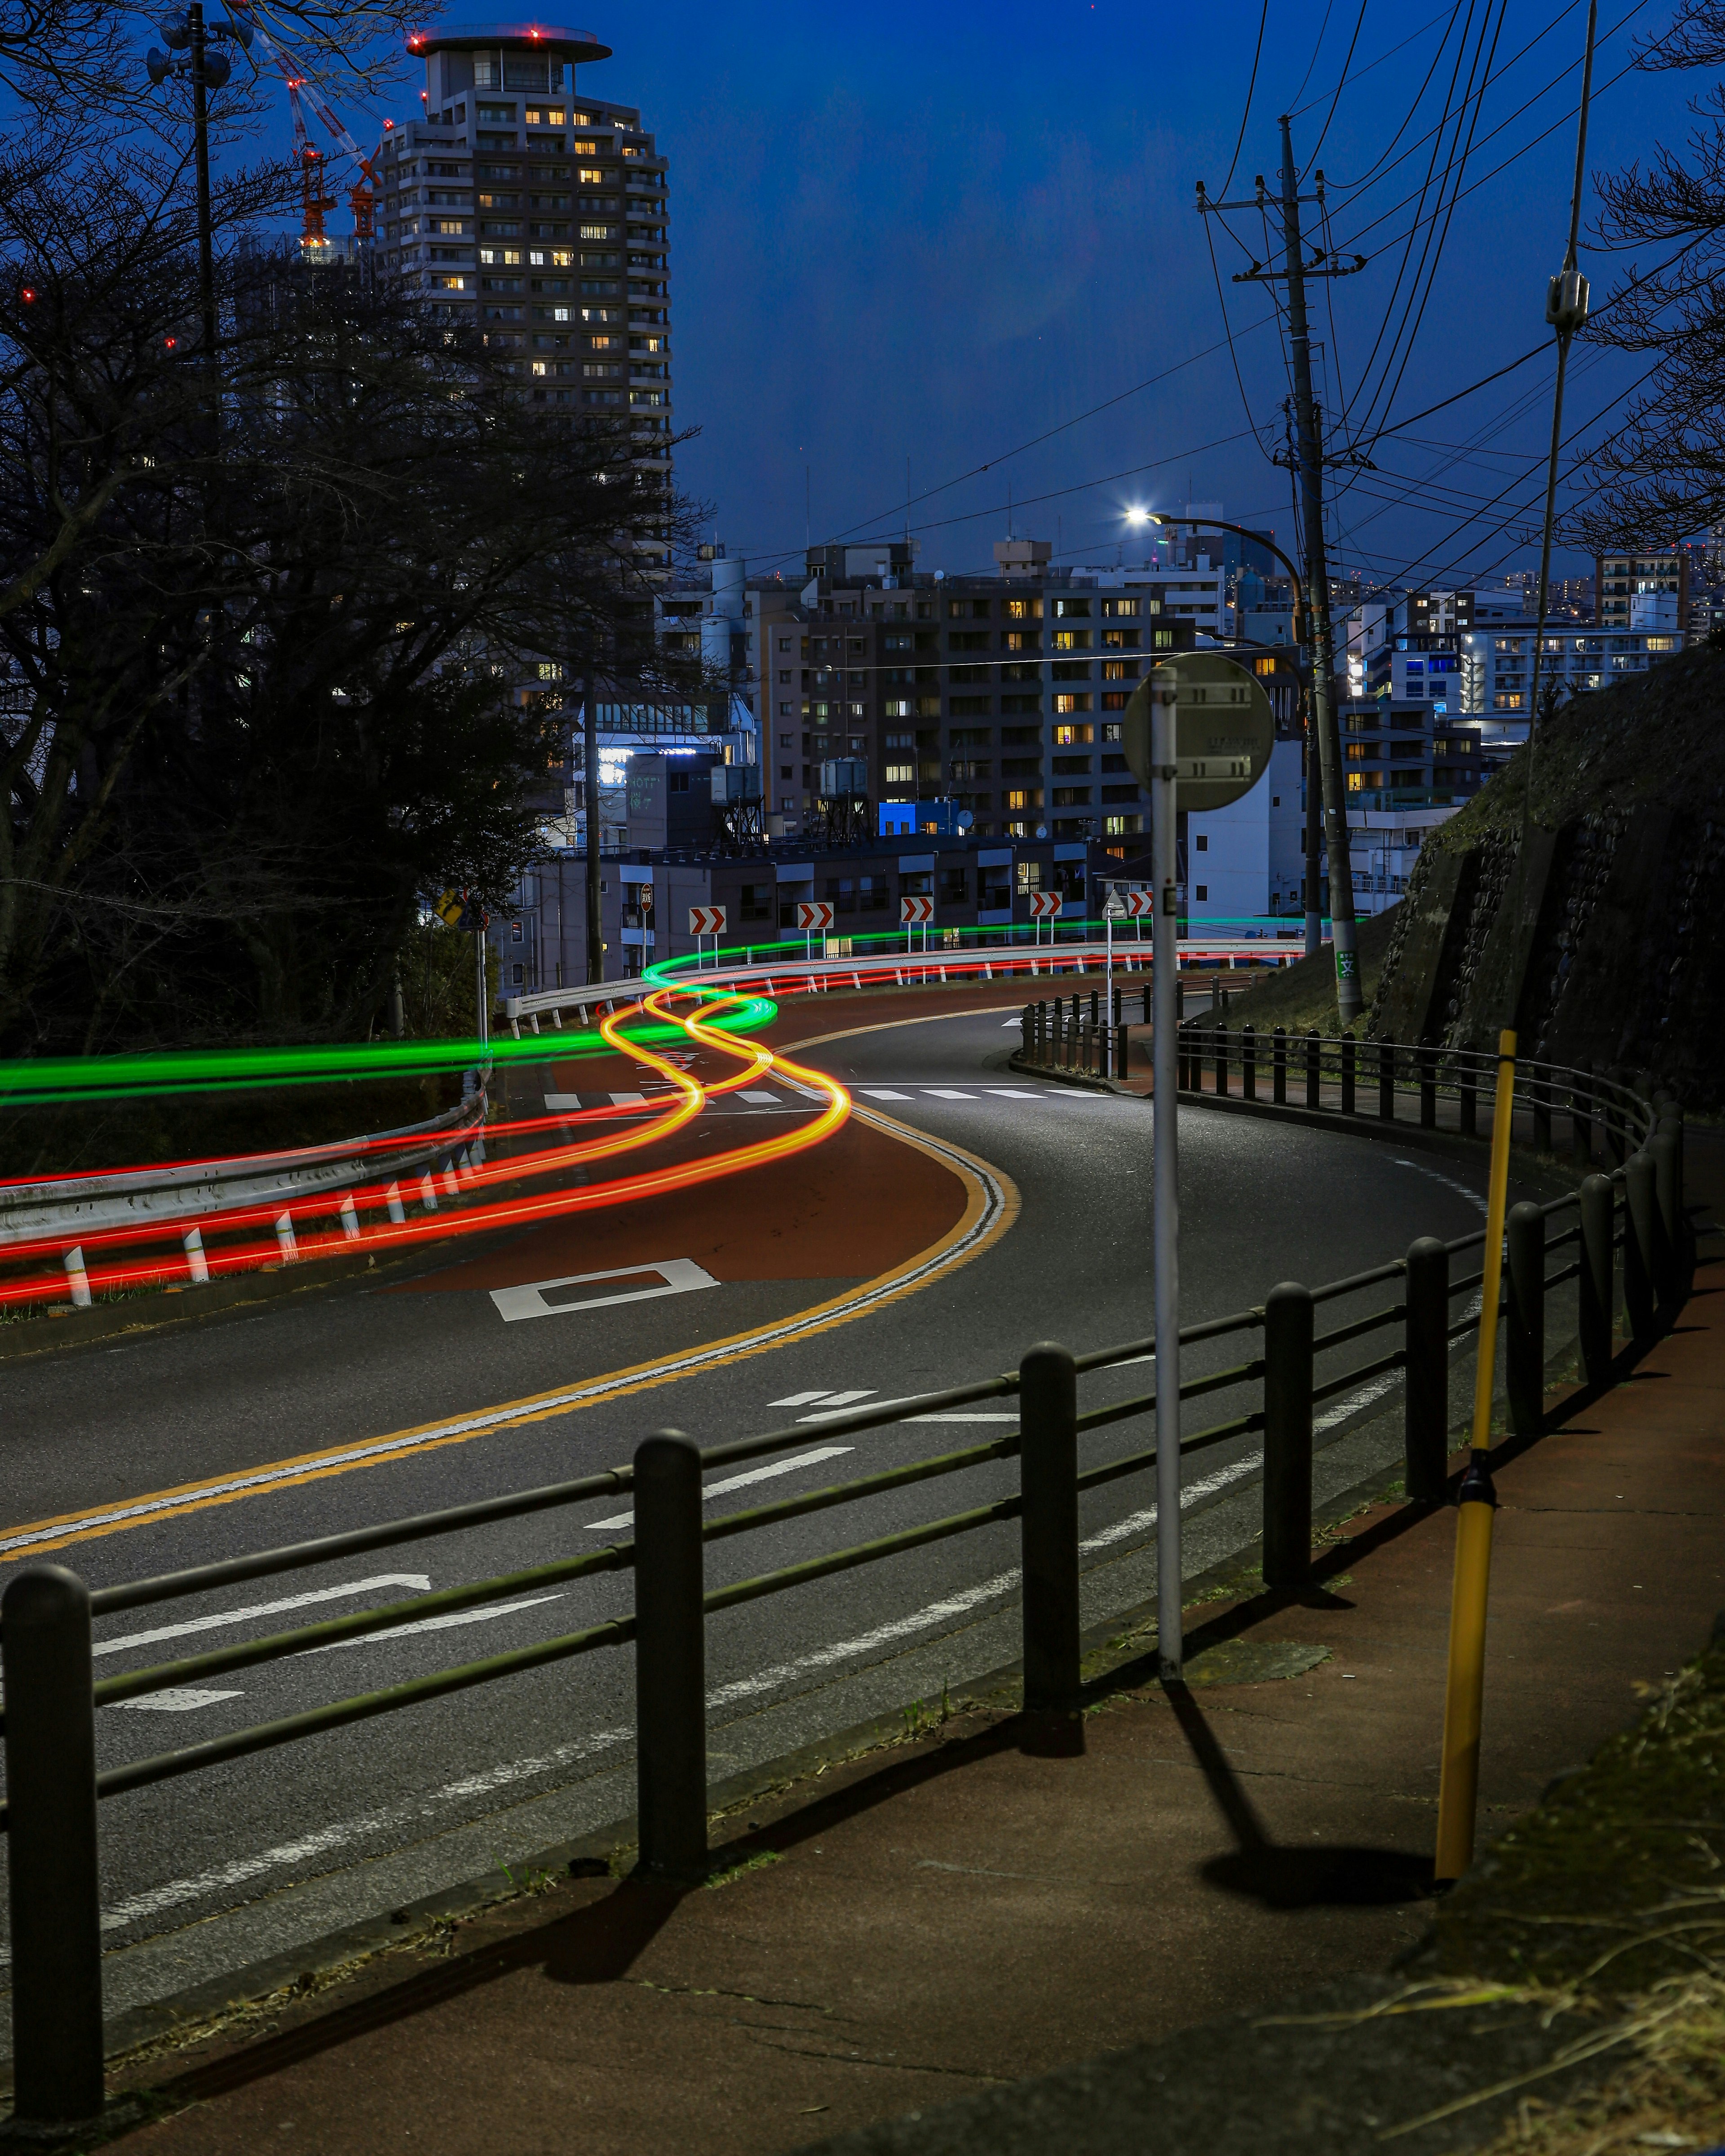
x,y
703,1026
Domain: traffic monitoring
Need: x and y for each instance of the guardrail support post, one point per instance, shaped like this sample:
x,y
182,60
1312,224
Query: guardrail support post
x,y
1221,1041
1539,1089
1348,1048
1249,1063
1314,1076
1279,1066
1426,1345
1467,1084
1581,1127
1666,1149
1594,1297
1641,1240
1524,1349
671,1659
1048,1479
51,1848
1287,1436
1428,1088
1386,1082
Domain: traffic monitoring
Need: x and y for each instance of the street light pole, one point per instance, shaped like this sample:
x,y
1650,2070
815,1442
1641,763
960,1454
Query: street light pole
x,y
1165,1171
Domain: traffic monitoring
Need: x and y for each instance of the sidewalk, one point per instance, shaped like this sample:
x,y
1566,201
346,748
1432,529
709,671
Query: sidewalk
x,y
986,1901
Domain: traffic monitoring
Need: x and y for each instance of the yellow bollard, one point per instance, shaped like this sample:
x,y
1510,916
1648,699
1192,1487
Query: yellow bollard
x,y
1458,1787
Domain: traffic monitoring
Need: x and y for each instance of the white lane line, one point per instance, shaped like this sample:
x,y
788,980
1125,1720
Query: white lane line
x,y
676,1276
1449,1182
945,1093
1133,1521
739,1481
960,1417
798,1400
891,1288
882,1093
183,1701
417,1580
762,1098
447,1623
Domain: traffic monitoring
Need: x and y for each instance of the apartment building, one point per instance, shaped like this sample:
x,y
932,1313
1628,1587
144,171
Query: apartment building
x,y
1497,670
1647,591
538,213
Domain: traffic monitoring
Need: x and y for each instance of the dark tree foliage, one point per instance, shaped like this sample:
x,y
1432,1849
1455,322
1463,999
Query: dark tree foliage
x,y
1661,475
264,627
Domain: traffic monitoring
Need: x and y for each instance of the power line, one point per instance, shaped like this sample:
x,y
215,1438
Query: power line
x,y
1252,85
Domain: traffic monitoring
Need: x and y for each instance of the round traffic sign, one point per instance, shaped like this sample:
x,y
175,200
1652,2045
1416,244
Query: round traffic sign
x,y
1225,729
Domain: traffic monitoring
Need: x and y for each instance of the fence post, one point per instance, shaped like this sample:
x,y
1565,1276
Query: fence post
x,y
51,1848
1616,1146
1221,1061
1287,1436
1314,1077
671,1659
1026,1028
1386,1082
1279,1066
1428,1088
1539,1089
1048,1481
1426,1345
1665,1147
1467,1084
1249,1062
1524,1349
1348,1046
1594,1297
1581,1127
1640,1218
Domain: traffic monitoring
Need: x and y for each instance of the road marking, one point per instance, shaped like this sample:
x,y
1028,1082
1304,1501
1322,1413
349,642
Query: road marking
x,y
629,1100
183,1701
762,1098
447,1623
1011,1093
1134,1520
563,1104
959,1418
945,1093
418,1579
797,1399
882,1093
992,1205
738,1482
1449,1182
678,1277
832,1400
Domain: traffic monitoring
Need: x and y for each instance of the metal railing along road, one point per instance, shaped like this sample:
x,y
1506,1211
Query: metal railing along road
x,y
1271,1359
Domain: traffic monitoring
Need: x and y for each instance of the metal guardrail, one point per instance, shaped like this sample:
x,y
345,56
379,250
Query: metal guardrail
x,y
59,1216
52,1695
789,975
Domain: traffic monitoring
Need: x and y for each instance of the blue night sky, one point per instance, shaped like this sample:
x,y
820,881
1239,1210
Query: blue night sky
x,y
937,237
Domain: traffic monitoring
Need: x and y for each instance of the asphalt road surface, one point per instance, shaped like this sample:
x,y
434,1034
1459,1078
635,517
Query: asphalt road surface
x,y
1029,1206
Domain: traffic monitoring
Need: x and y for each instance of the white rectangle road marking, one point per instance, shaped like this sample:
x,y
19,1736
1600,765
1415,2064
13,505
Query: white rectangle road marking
x,y
562,1104
797,1400
1010,1093
737,1481
763,1099
882,1093
629,1100
415,1579
945,1093
676,1276
183,1701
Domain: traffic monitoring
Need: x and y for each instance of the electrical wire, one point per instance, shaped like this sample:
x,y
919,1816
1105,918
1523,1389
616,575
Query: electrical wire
x,y
1347,62
1252,85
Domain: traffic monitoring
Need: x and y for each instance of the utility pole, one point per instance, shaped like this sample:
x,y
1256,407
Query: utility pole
x,y
1295,270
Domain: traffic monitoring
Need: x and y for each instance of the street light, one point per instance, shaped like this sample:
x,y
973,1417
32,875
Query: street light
x,y
1302,614
188,38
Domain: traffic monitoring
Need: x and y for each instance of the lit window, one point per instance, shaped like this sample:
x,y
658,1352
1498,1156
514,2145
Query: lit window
x,y
451,225
597,232
539,367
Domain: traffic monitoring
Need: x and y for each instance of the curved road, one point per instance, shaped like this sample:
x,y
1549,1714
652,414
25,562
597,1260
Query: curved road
x,y
363,1403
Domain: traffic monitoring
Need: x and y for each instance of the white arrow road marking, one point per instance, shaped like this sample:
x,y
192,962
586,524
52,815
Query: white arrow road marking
x,y
677,1276
417,1580
447,1623
737,1481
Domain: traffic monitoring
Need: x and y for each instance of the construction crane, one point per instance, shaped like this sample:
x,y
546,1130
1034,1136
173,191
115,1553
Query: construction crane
x,y
316,202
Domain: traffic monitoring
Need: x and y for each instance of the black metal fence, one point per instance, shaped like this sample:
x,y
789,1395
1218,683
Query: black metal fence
x,y
54,1788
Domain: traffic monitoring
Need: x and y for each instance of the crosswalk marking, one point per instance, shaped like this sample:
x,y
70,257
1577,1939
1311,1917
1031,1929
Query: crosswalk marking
x,y
883,1093
766,1099
629,1100
1012,1093
562,1104
946,1093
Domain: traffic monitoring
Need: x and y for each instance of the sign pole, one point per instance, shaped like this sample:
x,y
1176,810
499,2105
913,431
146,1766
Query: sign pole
x,y
1166,1195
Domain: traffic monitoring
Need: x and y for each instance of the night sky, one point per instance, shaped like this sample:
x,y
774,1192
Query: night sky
x,y
938,234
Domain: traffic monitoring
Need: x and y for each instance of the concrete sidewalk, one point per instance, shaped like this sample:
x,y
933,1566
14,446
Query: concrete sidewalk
x,y
984,1899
